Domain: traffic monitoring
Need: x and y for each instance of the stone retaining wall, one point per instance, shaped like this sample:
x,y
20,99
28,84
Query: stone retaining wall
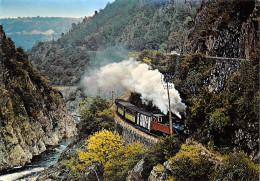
x,y
130,134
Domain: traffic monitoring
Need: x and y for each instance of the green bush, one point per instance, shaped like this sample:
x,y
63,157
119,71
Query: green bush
x,y
159,153
219,119
192,162
96,114
238,166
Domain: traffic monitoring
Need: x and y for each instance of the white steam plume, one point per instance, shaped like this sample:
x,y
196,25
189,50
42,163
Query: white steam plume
x,y
130,75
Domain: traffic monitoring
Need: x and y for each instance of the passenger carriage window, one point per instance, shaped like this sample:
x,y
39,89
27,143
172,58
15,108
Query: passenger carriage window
x,y
130,112
154,119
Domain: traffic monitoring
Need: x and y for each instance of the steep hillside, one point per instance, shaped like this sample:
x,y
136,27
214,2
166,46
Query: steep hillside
x,y
134,25
26,31
32,113
137,25
222,98
225,28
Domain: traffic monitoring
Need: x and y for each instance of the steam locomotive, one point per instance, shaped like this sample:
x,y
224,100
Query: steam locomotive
x,y
153,122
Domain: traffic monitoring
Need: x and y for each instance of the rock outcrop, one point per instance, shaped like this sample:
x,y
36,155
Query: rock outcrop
x,y
225,29
32,113
159,173
73,96
136,173
162,172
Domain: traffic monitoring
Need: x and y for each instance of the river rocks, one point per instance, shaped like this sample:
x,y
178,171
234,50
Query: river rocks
x,y
21,147
61,171
55,172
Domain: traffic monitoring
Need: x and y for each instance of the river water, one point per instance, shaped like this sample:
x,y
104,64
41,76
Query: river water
x,y
39,163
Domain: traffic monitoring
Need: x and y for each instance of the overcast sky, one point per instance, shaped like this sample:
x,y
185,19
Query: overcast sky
x,y
50,8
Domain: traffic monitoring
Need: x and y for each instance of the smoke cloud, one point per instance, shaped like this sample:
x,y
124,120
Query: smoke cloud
x,y
130,75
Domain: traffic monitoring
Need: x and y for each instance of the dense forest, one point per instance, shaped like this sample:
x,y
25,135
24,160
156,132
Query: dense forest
x,y
216,28
27,31
130,25
216,75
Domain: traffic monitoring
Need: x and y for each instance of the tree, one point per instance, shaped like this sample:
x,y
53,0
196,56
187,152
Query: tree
x,y
100,147
95,115
238,166
107,149
158,153
192,163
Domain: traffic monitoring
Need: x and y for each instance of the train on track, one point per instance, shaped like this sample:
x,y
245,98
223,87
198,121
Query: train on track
x,y
153,122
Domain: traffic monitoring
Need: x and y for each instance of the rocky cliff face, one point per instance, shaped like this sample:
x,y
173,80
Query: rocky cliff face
x,y
73,96
225,29
32,114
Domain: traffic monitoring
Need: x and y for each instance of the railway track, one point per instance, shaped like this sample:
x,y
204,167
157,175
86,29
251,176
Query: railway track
x,y
207,56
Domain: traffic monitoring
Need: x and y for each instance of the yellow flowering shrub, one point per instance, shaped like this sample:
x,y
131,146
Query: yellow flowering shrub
x,y
107,149
122,161
100,147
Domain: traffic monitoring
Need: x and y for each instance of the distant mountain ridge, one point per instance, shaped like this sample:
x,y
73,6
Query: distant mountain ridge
x,y
134,25
26,31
